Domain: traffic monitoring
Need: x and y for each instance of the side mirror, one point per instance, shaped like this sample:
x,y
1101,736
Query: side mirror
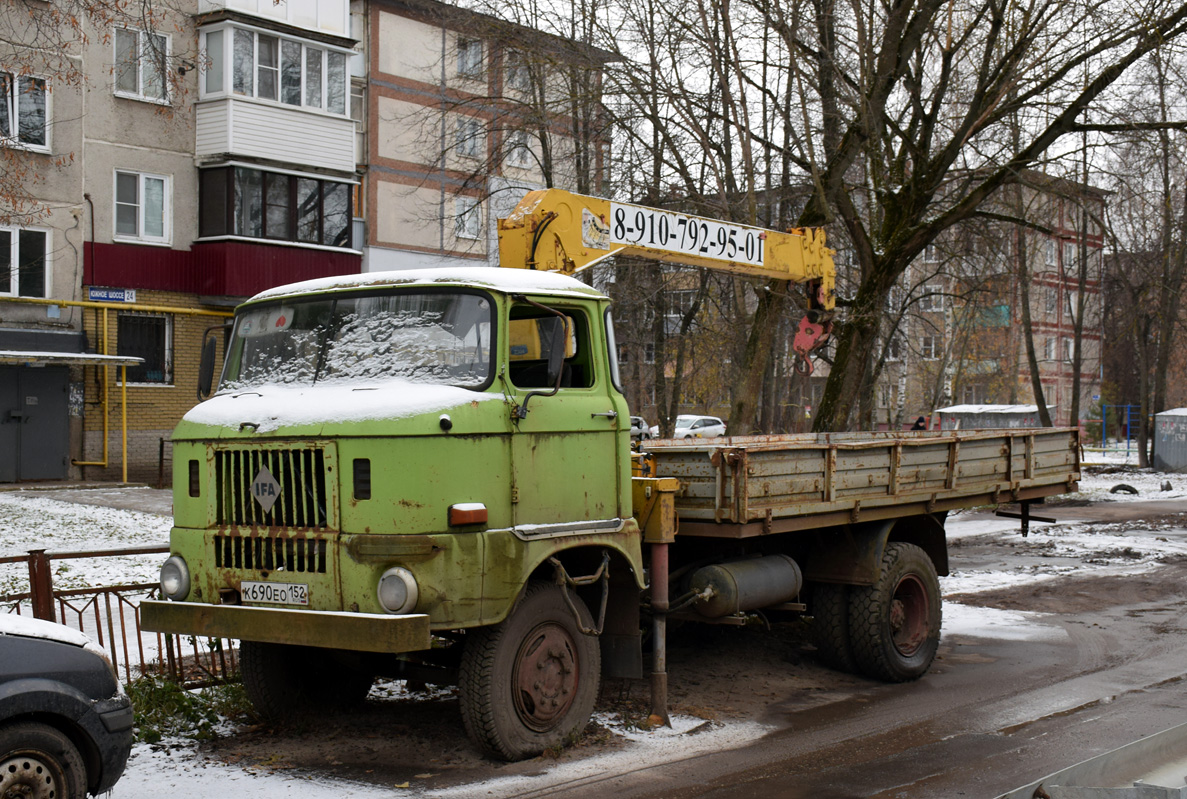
x,y
206,365
206,368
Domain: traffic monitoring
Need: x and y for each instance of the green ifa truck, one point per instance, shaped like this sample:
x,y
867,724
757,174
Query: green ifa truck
x,y
429,474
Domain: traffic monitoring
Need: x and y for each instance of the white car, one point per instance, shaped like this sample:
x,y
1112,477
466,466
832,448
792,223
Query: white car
x,y
690,426
639,428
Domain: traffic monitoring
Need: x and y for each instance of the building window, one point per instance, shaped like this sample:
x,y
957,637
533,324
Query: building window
x,y
519,152
468,218
234,201
24,111
147,336
1049,348
1069,349
140,58
894,349
518,77
469,137
932,298
469,58
1051,298
24,262
142,207
649,352
1050,252
930,348
1069,254
278,69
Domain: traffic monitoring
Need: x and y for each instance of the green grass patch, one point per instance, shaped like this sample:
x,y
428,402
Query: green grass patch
x,y
163,708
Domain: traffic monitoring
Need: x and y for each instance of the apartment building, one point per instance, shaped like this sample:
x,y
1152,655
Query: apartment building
x,y
220,147
962,338
204,158
466,113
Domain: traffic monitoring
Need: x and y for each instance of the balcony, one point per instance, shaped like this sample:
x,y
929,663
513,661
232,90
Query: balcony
x,y
249,128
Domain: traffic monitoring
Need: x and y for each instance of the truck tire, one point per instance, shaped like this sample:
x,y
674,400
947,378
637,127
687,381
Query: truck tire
x,y
286,682
894,624
38,761
529,684
830,626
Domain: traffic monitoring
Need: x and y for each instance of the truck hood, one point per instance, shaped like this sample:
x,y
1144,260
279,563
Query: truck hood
x,y
315,410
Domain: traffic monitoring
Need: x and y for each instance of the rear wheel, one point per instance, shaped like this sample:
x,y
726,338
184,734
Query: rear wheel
x,y
39,762
894,624
530,683
830,626
285,682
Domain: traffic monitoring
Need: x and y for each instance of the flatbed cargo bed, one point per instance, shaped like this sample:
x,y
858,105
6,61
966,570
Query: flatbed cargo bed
x,y
747,486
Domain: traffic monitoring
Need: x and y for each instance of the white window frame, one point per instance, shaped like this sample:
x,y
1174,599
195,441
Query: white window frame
x,y
930,348
516,76
894,349
649,352
1049,348
227,62
469,58
144,62
470,137
519,149
1069,254
12,100
14,260
467,220
141,236
1050,252
932,298
1050,299
1069,349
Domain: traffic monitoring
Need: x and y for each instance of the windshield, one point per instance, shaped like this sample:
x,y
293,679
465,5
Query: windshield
x,y
685,421
436,337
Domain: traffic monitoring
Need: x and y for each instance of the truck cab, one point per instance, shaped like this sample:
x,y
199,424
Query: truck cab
x,y
389,457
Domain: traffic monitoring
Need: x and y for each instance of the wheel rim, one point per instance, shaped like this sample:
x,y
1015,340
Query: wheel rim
x,y
546,676
30,775
909,613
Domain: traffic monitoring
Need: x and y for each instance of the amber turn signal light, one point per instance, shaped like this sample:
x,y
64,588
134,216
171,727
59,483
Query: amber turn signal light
x,y
465,513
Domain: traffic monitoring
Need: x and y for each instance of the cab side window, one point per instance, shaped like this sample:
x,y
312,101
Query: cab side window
x,y
533,331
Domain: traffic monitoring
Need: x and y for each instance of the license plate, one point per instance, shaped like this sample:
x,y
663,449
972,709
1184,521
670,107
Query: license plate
x,y
275,593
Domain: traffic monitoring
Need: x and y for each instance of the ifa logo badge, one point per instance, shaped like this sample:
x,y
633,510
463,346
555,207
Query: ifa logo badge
x,y
265,489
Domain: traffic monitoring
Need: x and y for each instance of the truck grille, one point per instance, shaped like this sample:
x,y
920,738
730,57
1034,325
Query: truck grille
x,y
270,554
301,474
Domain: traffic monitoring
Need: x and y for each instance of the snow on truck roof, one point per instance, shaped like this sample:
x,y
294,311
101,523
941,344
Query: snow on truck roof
x,y
499,279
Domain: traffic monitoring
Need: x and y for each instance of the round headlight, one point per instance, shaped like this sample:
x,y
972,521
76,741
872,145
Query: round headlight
x,y
397,590
175,578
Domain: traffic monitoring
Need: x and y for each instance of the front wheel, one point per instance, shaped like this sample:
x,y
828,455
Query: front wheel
x,y
894,624
285,682
39,762
529,684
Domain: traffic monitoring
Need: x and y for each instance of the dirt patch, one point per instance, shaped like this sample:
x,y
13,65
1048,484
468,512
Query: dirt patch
x,y
716,673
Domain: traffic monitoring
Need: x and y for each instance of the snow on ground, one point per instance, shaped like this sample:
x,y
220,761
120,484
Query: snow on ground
x,y
171,769
1097,486
29,521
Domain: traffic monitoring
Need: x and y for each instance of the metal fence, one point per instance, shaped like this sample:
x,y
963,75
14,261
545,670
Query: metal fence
x,y
110,615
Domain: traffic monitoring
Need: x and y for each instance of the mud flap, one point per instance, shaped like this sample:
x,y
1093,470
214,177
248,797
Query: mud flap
x,y
622,641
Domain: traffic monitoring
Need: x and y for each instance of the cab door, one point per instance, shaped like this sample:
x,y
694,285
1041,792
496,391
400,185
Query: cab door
x,y
565,450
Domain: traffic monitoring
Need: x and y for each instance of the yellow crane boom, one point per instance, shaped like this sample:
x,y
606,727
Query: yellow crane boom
x,y
554,230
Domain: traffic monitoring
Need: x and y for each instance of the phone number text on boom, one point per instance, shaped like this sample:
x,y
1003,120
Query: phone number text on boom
x,y
646,227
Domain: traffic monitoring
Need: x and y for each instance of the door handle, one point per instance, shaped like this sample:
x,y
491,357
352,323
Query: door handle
x,y
607,414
